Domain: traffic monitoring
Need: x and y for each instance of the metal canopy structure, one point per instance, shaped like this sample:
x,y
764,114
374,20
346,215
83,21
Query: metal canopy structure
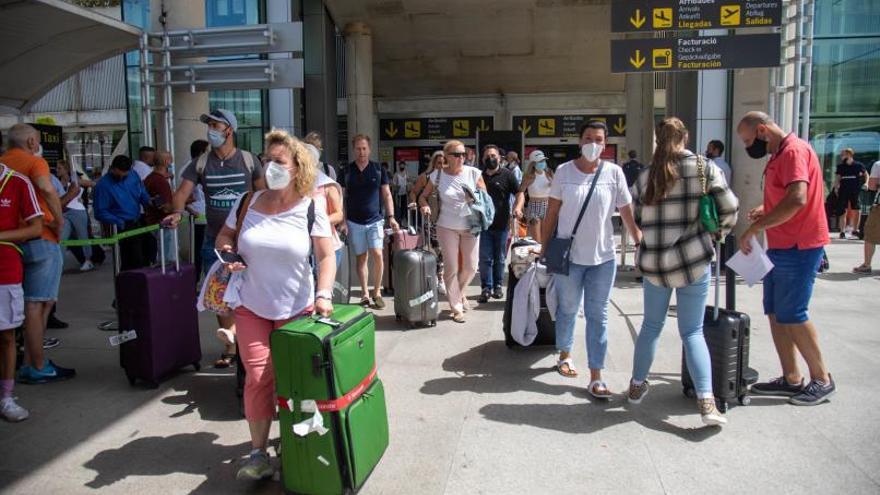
x,y
43,42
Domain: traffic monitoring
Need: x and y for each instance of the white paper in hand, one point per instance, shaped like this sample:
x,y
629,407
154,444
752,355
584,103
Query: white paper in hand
x,y
752,267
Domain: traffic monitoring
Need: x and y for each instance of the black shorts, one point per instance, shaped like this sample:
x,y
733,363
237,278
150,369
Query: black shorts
x,y
848,199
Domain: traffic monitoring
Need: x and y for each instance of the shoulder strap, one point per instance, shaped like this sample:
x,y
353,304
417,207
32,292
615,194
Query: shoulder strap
x,y
241,212
310,217
202,162
587,201
248,160
701,169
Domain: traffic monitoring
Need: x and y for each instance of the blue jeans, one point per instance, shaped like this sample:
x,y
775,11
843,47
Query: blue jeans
x,y
691,307
593,284
788,287
208,256
493,244
77,222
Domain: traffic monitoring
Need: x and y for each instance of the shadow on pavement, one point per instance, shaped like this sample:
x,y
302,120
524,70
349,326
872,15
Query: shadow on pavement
x,y
843,277
211,394
190,453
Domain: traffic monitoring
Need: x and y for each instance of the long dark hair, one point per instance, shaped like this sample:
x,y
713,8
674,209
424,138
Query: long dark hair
x,y
671,133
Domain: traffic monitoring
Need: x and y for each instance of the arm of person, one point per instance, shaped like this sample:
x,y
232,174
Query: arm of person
x,y
71,194
53,202
551,218
31,230
335,199
326,259
794,200
417,188
626,215
481,184
423,198
388,201
102,208
181,195
836,185
725,200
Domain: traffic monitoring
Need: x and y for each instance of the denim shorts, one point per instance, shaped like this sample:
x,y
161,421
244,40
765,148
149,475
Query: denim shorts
x,y
789,285
43,262
364,237
11,306
208,255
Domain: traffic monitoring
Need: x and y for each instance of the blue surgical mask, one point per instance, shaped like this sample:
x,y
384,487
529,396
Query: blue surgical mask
x,y
541,166
216,138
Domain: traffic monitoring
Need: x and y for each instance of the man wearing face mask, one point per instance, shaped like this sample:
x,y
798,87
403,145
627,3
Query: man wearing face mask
x,y
42,257
793,216
715,152
502,187
592,266
849,178
225,174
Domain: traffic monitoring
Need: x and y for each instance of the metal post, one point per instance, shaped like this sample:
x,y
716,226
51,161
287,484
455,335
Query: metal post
x,y
798,66
192,239
808,69
162,249
117,262
169,114
146,117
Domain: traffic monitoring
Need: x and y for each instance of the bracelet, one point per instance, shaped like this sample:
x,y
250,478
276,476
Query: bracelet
x,y
324,294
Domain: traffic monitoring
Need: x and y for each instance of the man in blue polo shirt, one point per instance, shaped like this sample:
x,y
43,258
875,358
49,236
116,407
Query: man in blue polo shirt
x,y
119,196
366,190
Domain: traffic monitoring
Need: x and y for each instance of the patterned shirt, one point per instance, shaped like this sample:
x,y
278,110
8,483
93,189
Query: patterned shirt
x,y
675,249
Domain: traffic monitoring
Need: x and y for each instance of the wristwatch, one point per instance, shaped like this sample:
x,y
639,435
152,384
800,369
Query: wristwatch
x,y
324,294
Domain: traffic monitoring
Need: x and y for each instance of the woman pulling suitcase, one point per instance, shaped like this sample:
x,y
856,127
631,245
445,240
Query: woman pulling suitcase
x,y
675,254
270,235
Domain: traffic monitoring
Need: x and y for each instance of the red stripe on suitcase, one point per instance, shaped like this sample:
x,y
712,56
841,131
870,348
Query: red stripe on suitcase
x,y
341,403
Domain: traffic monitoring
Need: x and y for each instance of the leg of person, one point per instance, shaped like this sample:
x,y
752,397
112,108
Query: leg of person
x,y
226,333
259,389
376,247
568,290
357,238
11,317
208,257
449,246
656,306
79,220
775,289
469,245
199,241
597,284
487,242
498,263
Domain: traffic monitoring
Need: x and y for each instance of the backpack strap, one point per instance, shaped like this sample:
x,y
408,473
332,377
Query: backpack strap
x,y
201,163
310,217
248,160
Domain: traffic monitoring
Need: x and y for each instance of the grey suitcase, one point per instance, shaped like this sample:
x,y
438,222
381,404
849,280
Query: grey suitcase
x,y
415,284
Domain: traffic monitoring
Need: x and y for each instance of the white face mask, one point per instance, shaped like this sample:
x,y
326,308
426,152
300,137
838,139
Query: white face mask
x,y
592,151
39,151
277,177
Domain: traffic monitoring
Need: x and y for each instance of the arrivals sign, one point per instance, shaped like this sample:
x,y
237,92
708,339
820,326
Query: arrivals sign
x,y
671,15
433,128
698,53
558,126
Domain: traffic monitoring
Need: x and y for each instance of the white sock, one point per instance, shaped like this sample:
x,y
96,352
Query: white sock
x,y
637,383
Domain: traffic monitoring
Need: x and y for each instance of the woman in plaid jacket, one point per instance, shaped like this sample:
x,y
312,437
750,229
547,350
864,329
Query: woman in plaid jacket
x,y
675,254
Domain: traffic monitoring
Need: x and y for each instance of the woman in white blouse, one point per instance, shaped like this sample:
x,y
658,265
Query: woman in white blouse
x,y
274,243
536,182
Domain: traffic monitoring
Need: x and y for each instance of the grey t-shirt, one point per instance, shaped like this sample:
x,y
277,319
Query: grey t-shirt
x,y
223,182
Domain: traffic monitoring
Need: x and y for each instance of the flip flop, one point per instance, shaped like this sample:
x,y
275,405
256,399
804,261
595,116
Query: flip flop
x,y
569,371
605,394
225,361
458,317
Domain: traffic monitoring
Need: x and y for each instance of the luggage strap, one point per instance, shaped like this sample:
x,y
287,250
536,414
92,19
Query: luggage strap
x,y
335,405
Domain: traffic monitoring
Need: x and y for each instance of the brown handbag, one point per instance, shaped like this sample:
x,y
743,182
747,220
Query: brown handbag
x,y
434,198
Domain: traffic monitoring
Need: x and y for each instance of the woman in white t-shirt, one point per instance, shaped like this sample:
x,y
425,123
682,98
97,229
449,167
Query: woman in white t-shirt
x,y
276,277
536,183
76,218
592,267
453,230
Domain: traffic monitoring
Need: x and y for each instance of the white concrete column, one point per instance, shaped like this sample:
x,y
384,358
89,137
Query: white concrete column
x,y
359,83
640,115
712,121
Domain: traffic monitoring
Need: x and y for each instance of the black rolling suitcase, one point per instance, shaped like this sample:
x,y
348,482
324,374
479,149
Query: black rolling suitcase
x,y
727,334
546,325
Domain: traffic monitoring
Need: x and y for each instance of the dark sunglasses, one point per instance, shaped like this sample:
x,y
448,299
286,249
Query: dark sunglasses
x,y
457,154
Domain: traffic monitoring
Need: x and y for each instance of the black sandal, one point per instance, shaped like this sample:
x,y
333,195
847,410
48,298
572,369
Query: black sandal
x,y
225,361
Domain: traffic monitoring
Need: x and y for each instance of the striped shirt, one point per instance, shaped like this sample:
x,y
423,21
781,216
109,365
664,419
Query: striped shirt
x,y
676,249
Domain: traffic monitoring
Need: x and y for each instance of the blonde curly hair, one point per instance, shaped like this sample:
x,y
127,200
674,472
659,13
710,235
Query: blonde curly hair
x,y
306,171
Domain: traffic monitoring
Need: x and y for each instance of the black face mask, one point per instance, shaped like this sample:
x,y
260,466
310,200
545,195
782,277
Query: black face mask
x,y
491,163
758,149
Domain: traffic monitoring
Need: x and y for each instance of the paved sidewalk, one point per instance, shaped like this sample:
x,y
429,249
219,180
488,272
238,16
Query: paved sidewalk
x,y
468,415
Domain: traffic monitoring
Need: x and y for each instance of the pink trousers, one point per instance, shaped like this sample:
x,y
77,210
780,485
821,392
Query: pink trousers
x,y
458,245
252,334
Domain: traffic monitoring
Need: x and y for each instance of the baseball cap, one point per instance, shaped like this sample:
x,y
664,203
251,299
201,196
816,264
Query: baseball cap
x,y
537,156
221,115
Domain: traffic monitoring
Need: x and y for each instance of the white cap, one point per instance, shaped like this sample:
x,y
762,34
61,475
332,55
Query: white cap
x,y
537,156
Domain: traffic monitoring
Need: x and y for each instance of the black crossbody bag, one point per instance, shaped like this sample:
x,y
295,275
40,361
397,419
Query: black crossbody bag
x,y
557,253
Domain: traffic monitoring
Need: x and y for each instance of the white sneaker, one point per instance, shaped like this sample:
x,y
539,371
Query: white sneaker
x,y
87,266
11,411
710,414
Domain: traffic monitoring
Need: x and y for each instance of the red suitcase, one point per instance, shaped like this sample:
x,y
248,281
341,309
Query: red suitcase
x,y
159,304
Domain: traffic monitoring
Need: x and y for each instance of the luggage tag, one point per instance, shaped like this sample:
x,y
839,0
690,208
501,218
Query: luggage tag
x,y
116,340
328,321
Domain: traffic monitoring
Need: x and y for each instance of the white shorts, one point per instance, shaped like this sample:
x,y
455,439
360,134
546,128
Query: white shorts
x,y
11,306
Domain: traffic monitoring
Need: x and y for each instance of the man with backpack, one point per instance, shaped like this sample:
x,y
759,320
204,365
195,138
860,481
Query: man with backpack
x,y
225,173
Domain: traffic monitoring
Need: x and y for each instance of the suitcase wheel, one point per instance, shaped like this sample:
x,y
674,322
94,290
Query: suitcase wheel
x,y
433,323
690,393
397,317
197,366
723,406
745,400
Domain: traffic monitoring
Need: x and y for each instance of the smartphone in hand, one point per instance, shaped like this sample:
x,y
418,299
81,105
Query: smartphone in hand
x,y
229,257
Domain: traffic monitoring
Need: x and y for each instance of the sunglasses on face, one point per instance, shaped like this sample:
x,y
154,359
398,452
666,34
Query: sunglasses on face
x,y
457,154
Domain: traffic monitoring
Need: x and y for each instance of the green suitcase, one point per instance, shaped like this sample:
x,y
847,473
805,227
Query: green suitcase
x,y
333,365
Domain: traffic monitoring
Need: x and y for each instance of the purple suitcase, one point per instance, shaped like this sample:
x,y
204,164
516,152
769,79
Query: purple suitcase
x,y
160,305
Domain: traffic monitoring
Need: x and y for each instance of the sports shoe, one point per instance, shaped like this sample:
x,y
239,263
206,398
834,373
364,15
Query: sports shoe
x,y
637,392
814,393
709,413
50,342
87,266
11,411
843,235
778,387
498,293
484,296
50,372
255,467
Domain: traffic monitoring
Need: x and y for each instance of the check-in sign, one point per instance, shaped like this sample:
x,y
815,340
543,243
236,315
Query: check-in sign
x,y
697,53
672,15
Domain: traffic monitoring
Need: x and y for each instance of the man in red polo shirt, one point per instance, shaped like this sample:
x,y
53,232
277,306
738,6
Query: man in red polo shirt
x,y
793,215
